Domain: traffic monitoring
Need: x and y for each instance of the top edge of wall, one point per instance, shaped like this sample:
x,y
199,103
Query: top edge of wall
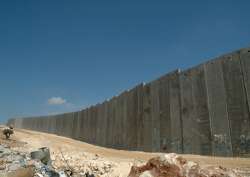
x,y
214,59
176,71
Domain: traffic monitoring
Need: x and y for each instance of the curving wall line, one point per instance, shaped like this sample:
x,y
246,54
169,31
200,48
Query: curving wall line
x,y
202,110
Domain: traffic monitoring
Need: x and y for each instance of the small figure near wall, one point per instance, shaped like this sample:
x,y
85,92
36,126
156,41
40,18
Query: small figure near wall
x,y
8,131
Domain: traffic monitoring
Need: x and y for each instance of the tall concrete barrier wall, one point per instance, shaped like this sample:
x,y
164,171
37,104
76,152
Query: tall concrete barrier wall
x,y
201,110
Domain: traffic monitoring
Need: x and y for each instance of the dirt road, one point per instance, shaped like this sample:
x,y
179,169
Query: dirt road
x,y
122,160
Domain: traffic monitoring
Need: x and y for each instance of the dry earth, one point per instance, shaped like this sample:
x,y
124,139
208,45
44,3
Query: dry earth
x,y
66,151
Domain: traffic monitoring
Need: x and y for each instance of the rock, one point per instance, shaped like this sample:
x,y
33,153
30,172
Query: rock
x,y
24,172
47,171
43,155
14,167
172,165
38,175
4,152
146,174
89,175
62,174
2,167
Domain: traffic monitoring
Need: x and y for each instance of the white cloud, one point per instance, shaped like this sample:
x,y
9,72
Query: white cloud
x,y
56,101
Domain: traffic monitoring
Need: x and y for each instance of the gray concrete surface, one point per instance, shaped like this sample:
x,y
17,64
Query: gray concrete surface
x,y
201,110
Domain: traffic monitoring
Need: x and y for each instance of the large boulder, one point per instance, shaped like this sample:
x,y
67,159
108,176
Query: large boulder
x,y
173,165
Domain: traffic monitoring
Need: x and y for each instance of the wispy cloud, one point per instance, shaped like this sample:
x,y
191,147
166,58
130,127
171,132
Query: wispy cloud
x,y
56,101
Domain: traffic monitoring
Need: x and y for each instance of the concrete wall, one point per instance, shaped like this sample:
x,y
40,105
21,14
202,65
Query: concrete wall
x,y
202,110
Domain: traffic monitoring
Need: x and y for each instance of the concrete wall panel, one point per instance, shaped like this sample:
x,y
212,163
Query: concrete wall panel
x,y
139,117
203,110
217,104
237,107
147,118
245,64
190,135
195,116
175,112
164,115
155,115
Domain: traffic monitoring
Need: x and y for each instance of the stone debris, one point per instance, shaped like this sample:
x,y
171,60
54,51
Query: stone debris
x,y
23,172
173,165
61,163
40,163
82,163
43,154
15,163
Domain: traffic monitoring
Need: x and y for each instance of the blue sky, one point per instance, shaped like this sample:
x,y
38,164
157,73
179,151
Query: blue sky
x,y
60,55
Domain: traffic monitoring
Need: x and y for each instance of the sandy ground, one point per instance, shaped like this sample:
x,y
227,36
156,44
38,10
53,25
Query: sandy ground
x,y
123,160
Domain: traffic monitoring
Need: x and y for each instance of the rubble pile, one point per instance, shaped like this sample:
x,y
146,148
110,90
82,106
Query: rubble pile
x,y
14,163
42,163
82,163
172,165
